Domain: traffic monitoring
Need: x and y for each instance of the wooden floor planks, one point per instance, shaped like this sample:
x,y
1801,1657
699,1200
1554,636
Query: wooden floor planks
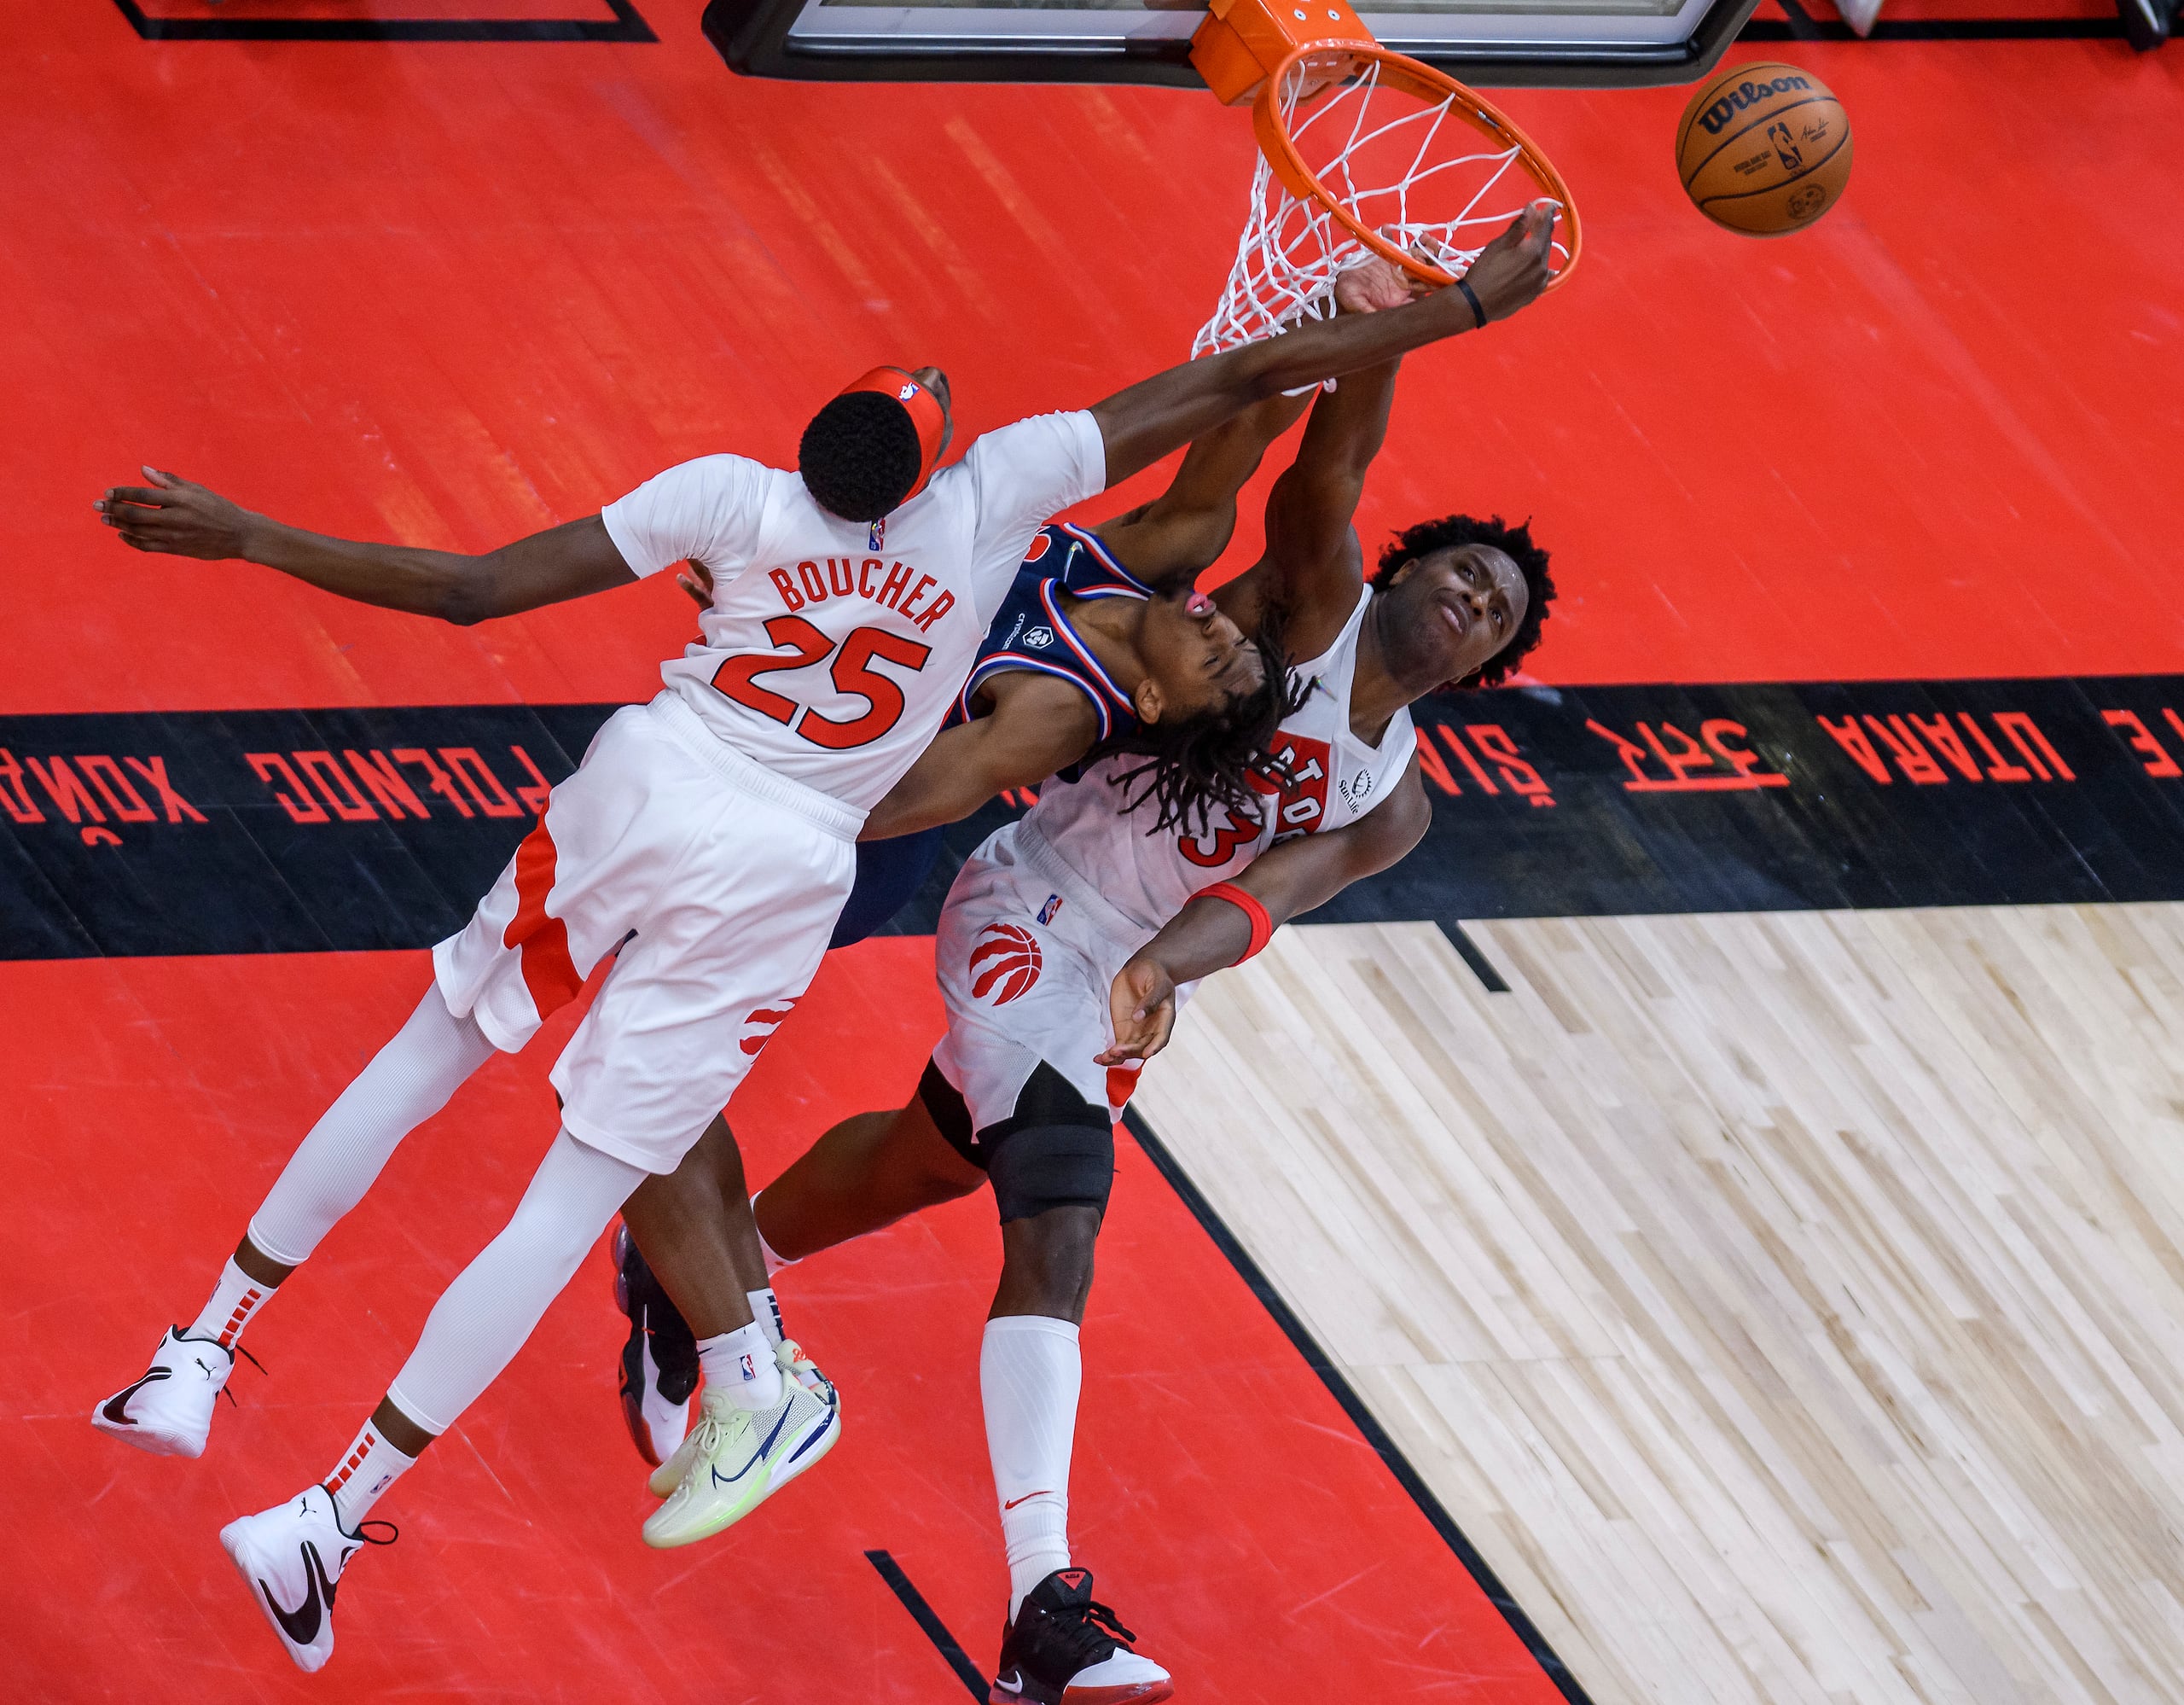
x,y
1790,1307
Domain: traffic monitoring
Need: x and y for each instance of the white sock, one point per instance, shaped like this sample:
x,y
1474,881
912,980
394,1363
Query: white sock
x,y
1028,1374
483,1316
235,1300
774,1263
766,1310
408,1081
741,1367
368,1468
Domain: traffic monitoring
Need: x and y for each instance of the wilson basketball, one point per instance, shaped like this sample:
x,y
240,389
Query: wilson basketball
x,y
1763,148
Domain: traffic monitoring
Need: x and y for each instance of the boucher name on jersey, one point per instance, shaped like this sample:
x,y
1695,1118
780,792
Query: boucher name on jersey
x,y
826,660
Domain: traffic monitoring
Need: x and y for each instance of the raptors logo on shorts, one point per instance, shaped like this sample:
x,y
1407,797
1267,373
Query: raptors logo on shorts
x,y
1005,956
766,1020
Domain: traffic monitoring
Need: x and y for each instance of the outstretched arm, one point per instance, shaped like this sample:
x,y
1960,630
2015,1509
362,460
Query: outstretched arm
x,y
1143,423
1313,569
1181,533
184,519
1207,934
1037,726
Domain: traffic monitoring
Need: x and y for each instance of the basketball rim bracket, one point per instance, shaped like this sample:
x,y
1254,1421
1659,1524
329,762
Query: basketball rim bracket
x,y
1493,43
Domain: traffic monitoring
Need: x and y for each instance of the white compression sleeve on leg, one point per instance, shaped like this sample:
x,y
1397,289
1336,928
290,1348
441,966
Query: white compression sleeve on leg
x,y
482,1319
408,1081
1028,1374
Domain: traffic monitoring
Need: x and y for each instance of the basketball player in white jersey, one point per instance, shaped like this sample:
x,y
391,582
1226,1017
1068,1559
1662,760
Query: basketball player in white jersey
x,y
1075,909
705,840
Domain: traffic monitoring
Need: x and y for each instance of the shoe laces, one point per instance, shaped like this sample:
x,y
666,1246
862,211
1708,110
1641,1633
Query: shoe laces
x,y
714,1421
235,1350
1088,1633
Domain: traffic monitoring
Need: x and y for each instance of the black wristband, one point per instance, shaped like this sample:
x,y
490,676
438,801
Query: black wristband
x,y
1472,297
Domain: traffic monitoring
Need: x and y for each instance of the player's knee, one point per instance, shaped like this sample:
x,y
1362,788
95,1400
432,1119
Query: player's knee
x,y
1046,1259
1043,1168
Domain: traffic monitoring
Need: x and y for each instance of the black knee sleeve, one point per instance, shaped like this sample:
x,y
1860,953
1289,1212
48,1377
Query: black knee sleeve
x,y
1056,1150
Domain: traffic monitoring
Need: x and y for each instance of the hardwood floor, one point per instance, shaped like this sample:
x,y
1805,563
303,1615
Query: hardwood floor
x,y
1789,1306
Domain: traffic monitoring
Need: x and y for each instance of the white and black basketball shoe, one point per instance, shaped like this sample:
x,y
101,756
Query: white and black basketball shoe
x,y
169,1410
1065,1649
659,1357
291,1557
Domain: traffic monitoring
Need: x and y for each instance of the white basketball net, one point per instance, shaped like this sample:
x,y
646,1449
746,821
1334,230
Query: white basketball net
x,y
1384,154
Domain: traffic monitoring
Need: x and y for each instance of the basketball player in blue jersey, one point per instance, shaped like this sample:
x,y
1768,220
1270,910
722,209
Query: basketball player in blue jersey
x,y
705,840
1023,1089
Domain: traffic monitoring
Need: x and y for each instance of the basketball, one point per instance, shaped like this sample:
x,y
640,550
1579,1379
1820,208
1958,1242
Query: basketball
x,y
1763,148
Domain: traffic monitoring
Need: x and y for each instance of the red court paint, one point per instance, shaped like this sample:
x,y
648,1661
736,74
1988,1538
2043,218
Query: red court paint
x,y
1228,1509
454,293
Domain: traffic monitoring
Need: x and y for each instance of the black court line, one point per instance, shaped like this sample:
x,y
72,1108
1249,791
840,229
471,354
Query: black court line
x,y
929,1619
626,25
1797,24
1353,1405
1473,955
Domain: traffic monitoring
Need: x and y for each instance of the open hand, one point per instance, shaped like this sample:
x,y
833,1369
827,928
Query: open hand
x,y
1512,269
1142,1006
177,516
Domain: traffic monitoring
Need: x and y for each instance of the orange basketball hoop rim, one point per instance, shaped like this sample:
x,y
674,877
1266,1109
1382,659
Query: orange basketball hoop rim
x,y
1423,83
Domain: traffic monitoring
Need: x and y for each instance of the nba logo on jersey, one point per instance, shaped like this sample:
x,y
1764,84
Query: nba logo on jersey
x,y
876,538
1047,911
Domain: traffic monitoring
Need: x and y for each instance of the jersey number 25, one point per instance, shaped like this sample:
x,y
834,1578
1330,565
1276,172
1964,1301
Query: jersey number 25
x,y
852,673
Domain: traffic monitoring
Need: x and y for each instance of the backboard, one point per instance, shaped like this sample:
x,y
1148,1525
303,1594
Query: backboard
x,y
1488,43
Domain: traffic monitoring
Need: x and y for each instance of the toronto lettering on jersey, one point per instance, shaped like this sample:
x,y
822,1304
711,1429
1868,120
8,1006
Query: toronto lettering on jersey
x,y
284,831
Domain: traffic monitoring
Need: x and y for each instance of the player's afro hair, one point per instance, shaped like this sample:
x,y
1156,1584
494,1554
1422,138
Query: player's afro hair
x,y
1513,542
1202,761
859,456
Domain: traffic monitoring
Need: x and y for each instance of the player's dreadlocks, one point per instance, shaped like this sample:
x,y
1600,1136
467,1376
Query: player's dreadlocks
x,y
1206,760
1513,542
859,455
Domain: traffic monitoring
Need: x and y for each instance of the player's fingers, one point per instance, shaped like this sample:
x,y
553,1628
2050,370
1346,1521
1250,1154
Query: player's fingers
x,y
136,494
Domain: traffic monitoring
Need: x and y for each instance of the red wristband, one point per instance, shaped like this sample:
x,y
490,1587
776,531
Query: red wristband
x,y
1262,925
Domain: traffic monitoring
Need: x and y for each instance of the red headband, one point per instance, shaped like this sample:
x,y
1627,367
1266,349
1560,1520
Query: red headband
x,y
923,407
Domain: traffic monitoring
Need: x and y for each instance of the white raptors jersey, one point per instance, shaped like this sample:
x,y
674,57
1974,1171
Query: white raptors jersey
x,y
833,648
1334,778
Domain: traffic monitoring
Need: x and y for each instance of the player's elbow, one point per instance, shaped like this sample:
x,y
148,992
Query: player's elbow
x,y
465,594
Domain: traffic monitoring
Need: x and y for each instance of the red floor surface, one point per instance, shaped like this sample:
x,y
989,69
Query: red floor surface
x,y
453,293
1225,1502
459,292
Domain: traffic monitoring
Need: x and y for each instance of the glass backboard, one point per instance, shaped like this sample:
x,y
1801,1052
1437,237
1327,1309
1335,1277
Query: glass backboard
x,y
1488,42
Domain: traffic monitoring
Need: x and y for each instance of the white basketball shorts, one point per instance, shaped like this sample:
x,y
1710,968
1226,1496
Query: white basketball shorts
x,y
1027,952
718,881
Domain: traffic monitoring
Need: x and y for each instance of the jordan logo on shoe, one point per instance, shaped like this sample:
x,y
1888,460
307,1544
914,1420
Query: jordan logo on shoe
x,y
301,1624
117,1406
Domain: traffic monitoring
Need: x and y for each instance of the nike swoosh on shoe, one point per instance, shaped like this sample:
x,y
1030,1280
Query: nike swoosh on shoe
x,y
731,1480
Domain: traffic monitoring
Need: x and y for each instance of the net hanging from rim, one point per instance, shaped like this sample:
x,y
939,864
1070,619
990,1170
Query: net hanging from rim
x,y
1364,153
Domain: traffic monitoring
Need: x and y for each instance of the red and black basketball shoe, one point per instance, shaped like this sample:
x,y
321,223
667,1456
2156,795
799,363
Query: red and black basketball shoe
x,y
659,1358
1065,1649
